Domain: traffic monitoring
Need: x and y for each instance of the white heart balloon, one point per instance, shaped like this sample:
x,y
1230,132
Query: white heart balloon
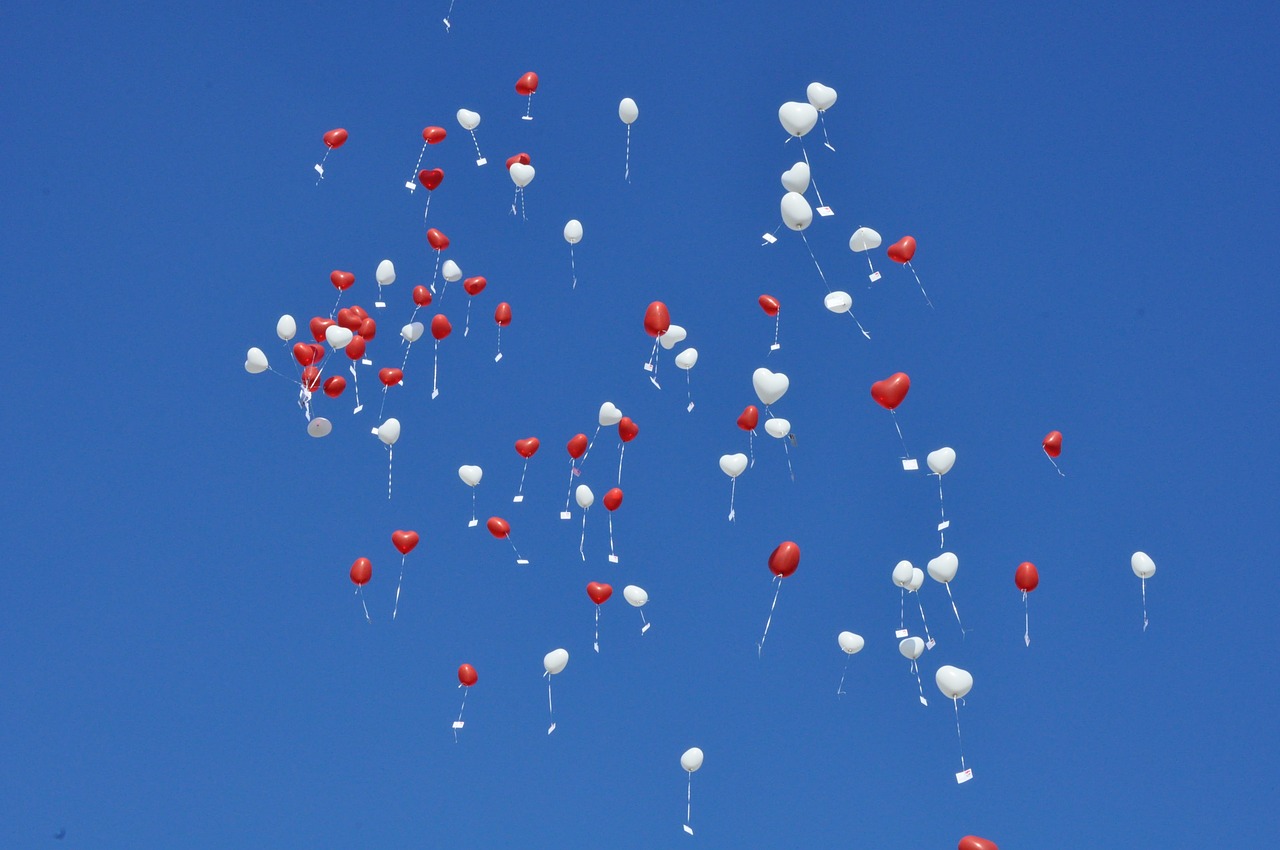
x,y
386,273
470,475
902,574
953,682
778,428
628,111
943,568
255,361
468,120
555,660
687,358
864,239
769,386
941,461
413,331
797,118
675,334
635,596
733,465
319,427
912,647
796,178
521,174
338,337
286,328
584,497
691,760
389,431
609,415
451,271
838,301
1143,566
851,643
796,212
573,231
917,579
821,97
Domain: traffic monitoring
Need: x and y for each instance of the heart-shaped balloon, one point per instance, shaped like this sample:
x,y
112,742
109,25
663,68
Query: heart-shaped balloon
x,y
341,280
319,427
527,447
349,319
389,431
368,328
850,643
520,157
303,353
797,118
335,138
777,428
784,560
917,579
821,97
770,305
838,301
527,84
468,120
609,415
498,527
635,596
318,327
355,348
890,392
390,376
749,418
941,461
437,240
675,334
796,212
412,332
627,429
311,378
769,386
338,337
1052,443
433,135
404,541
953,682
796,178
421,296
613,499
584,497
386,273
334,385
431,178
577,446
943,568
474,285
361,571
470,475
450,271
521,174
912,647
687,358
864,239
973,842
440,327
902,574
903,250
733,465
255,361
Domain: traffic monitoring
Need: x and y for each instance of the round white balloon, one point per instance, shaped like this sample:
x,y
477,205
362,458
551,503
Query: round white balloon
x,y
389,431
1143,566
521,174
555,660
902,574
796,212
451,271
628,111
692,759
769,386
687,358
470,475
573,231
386,273
584,496
609,415
864,239
943,568
941,461
912,647
636,596
797,118
319,427
796,178
838,301
851,643
674,335
468,120
286,328
777,428
255,361
821,97
953,682
733,465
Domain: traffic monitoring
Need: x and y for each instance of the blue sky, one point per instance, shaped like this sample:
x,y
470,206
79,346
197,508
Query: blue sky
x,y
1093,194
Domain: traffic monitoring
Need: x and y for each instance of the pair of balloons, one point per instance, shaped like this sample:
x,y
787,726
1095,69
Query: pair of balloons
x,y
585,498
908,576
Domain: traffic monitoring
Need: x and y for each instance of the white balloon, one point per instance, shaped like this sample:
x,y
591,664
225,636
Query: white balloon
x,y
902,574
573,231
796,178
413,331
942,460
797,118
953,682
851,643
628,111
521,174
821,97
584,496
468,120
1143,566
912,647
389,431
796,212
778,428
838,301
687,358
692,759
319,427
636,596
864,239
255,361
733,465
338,337
609,415
769,386
286,328
917,579
470,475
555,660
943,568
450,271
674,335
386,273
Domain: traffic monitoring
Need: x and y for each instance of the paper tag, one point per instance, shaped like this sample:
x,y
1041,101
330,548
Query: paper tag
x,y
946,523
775,346
690,407
929,644
366,362
473,523
825,211
526,117
381,305
923,701
576,471
910,464
964,776
483,161
373,431
613,559
646,628
524,562
400,383
901,633
435,392
458,724
319,170
497,357
688,829
566,515
410,185
769,238
551,728
874,276
654,381
359,407
648,367
827,145
517,498
597,647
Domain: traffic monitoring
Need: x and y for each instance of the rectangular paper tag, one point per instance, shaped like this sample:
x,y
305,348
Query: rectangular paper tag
x,y
366,362
901,633
648,367
526,117
524,562
373,431
769,238
775,346
690,407
381,305
566,515
410,185
930,643
458,724
319,170
576,471
517,498
497,357
874,276
924,701
435,392
825,211
359,407
910,464
613,559
551,728
646,628
483,161
945,524
688,829
964,776
473,523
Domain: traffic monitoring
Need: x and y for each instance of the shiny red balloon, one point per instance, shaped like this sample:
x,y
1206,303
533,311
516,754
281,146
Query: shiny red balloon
x,y
318,352
341,280
311,378
973,842
303,353
599,592
784,560
474,285
349,319
431,178
657,319
498,527
890,392
467,675
421,295
522,158
1026,577
502,314
627,429
437,239
613,499
335,138
361,571
440,327
404,541
750,418
527,84
359,311
390,376
333,386
1052,443
903,250
577,446
368,328
770,304
433,135
319,326
355,348
527,447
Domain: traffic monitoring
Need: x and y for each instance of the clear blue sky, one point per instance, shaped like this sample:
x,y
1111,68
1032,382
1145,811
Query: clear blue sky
x,y
1093,190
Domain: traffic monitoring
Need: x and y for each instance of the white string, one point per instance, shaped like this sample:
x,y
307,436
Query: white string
x,y
823,121
467,328
320,166
954,609
460,710
569,495
688,803
413,179
653,365
918,283
514,549
583,539
520,491
915,668
751,446
473,505
1144,604
902,609
360,593
942,516
840,687
355,383
867,254
477,143
859,324
644,623
550,711
688,391
398,585
499,355
786,449
1055,465
622,451
777,325
733,487
612,554
920,601
573,268
446,18
956,703
529,108
390,454
894,415
436,272
435,372
815,261
1026,636
813,182
590,443
334,311
627,173
760,646
597,641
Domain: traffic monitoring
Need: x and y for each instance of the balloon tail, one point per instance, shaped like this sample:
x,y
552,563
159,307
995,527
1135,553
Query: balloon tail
x,y
597,639
304,401
622,451
573,268
457,724
590,443
874,277
1144,604
435,372
921,285
915,668
955,610
751,446
582,541
1055,466
529,108
777,326
407,349
942,517
1026,635
652,366
626,174
320,165
435,273
498,356
467,328
928,639
826,140
427,209
821,204
843,673
894,415
334,311
569,495
520,490
688,806
412,183
815,261
447,25
902,610
644,623
786,449
399,584
613,555
480,160
360,593
355,383
474,521
688,391
383,406
760,646
956,703
390,454
551,714
733,489
859,324
519,559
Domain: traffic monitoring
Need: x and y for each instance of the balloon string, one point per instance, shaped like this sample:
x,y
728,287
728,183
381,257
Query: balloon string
x,y
1055,465
590,443
815,261
622,451
523,216
514,549
447,15
435,372
843,673
902,610
396,608
529,108
1144,604
1026,635
942,515
360,593
551,714
821,203
894,415
323,160
569,495
355,383
644,622
499,357
460,710
597,640
825,138
473,505
612,553
407,349
760,646
859,324
413,179
436,272
626,175
653,364
733,487
515,196
390,454
956,703
918,283
868,256
928,638
582,541
751,446
688,802
688,389
955,610
477,144
467,328
304,401
915,668
383,406
777,326
573,268
786,449
520,490
334,311
427,208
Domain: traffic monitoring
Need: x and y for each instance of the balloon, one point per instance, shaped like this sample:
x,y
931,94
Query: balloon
x,y
467,675
498,527
404,541
450,271
777,428
335,138
338,337
917,579
691,760
1052,443
784,559
1026,577
433,135
820,97
319,427
769,386
864,239
609,415
573,231
599,592
796,178
341,280
890,392
973,842
584,497
656,319
521,174
613,499
255,361
355,349
1143,566
527,84
475,285
627,429
470,475
912,647
628,111
389,431
368,329
286,327
440,327
674,335
953,682
431,178
527,447
902,574
318,351
770,305
576,446
359,311
361,571
687,358
941,461
636,596
797,118
390,376
749,418
468,120
555,660
903,250
311,378
437,240
319,326
520,157
943,568
334,385
796,212
838,301
349,319
502,314
851,643
386,273
733,465
412,332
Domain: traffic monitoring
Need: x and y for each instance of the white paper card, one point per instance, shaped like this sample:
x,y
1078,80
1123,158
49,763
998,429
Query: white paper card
x,y
648,367
366,362
690,407
923,701
435,393
483,161
473,523
775,346
517,498
381,305
613,559
410,185
646,628
524,562
497,357
688,829
319,170
458,724
945,524
526,117
373,431
825,211
964,776
769,238
930,643
566,515
358,408
874,276
901,633
910,464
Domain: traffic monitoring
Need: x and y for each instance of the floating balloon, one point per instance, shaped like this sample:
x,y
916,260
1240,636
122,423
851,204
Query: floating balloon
x,y
527,447
749,418
573,231
912,647
389,431
902,574
319,427
613,499
838,301
609,415
576,446
943,568
973,842
413,331
770,305
796,178
850,643
796,212
777,428
521,174
390,376
769,386
941,461
657,319
255,361
526,86
953,682
431,178
1027,578
555,661
584,497
405,542
437,240
1052,444
901,252
286,327
1144,568
820,97
467,675
691,760
341,280
863,240
498,527
797,118
628,112
470,475
333,140
433,135
599,592
468,120
784,560
386,273
627,429
674,336
319,327
890,392
361,572
635,596
733,465
440,327
334,385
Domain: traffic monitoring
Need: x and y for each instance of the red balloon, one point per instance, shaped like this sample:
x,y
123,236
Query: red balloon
x,y
431,178
421,295
973,842
903,250
355,348
498,527
577,446
390,376
467,675
335,138
613,499
527,447
522,158
303,353
627,429
433,135
404,541
1026,577
750,418
311,378
474,285
341,280
502,314
440,327
527,84
319,352
599,592
334,386
347,318
361,571
890,392
770,304
1052,443
359,311
368,328
656,319
437,239
318,327
784,560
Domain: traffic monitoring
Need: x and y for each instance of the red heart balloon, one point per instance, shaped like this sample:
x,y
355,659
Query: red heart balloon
x,y
421,295
890,392
903,250
433,135
502,314
750,418
577,446
368,328
404,541
784,560
1052,443
498,527
311,378
599,592
390,376
303,353
359,311
318,352
627,429
355,348
467,675
1026,577
770,304
318,326
335,138
474,285
341,280
973,842
613,499
440,327
349,320
522,158
527,84
437,239
432,178
361,571
657,319
334,386
527,447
